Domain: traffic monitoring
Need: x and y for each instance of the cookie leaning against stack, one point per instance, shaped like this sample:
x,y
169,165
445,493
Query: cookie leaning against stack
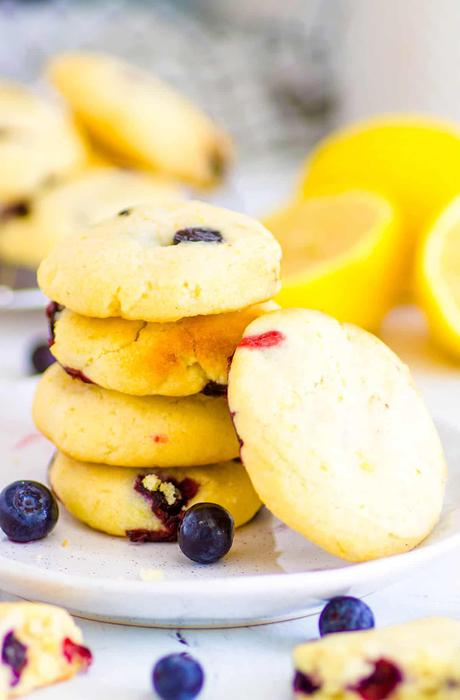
x,y
148,309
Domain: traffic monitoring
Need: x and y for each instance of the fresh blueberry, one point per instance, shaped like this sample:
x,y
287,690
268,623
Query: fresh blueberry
x,y
28,511
196,234
41,358
345,614
177,677
206,533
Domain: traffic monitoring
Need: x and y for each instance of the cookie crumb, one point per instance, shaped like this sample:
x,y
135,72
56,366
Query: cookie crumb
x,y
151,575
152,483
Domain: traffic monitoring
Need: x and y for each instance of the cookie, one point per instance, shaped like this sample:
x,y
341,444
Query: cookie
x,y
139,358
413,661
37,142
147,505
17,237
73,204
139,117
336,439
164,263
40,645
98,425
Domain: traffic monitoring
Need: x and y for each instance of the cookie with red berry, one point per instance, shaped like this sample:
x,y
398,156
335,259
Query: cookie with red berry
x,y
335,436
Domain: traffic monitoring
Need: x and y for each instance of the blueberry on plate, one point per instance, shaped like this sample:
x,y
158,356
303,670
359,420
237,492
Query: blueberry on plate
x,y
41,358
345,614
28,511
206,533
177,677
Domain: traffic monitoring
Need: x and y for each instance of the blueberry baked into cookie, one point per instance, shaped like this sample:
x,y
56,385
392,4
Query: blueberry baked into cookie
x,y
415,661
40,645
147,505
70,204
164,263
141,119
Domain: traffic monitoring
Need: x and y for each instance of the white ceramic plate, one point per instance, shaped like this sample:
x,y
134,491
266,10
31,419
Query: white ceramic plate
x,y
271,573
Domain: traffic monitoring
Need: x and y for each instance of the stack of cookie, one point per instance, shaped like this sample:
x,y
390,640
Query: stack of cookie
x,y
148,308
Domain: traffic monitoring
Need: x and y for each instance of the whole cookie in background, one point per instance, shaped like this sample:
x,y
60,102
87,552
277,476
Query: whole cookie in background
x,y
336,439
164,263
139,358
37,142
412,661
73,204
98,425
41,645
147,505
141,118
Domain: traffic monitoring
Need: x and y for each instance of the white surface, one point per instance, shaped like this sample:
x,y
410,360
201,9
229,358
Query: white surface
x,y
255,662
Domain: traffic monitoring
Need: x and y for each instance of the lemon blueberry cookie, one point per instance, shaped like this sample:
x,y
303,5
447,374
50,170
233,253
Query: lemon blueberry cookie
x,y
94,424
147,505
139,117
336,439
164,263
140,358
412,661
37,141
71,204
40,645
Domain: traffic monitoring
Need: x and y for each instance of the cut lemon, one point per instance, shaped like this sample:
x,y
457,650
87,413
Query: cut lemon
x,y
412,160
341,255
438,278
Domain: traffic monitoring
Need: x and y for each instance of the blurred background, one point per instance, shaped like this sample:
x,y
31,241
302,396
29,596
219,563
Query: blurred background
x,y
277,76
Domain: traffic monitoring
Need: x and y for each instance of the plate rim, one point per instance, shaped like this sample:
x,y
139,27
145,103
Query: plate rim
x,y
234,585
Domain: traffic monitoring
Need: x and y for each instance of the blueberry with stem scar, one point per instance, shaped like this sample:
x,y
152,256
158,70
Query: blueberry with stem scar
x,y
28,511
41,358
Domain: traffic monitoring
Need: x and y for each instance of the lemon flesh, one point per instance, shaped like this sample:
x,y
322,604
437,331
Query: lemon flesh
x,y
341,255
438,278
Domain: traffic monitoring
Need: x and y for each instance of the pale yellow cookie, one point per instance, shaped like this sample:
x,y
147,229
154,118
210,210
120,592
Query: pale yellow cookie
x,y
336,438
137,116
98,425
40,645
73,204
147,505
37,141
419,660
164,263
139,358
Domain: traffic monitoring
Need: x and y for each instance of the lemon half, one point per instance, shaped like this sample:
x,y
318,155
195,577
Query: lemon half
x,y
341,255
412,160
438,278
